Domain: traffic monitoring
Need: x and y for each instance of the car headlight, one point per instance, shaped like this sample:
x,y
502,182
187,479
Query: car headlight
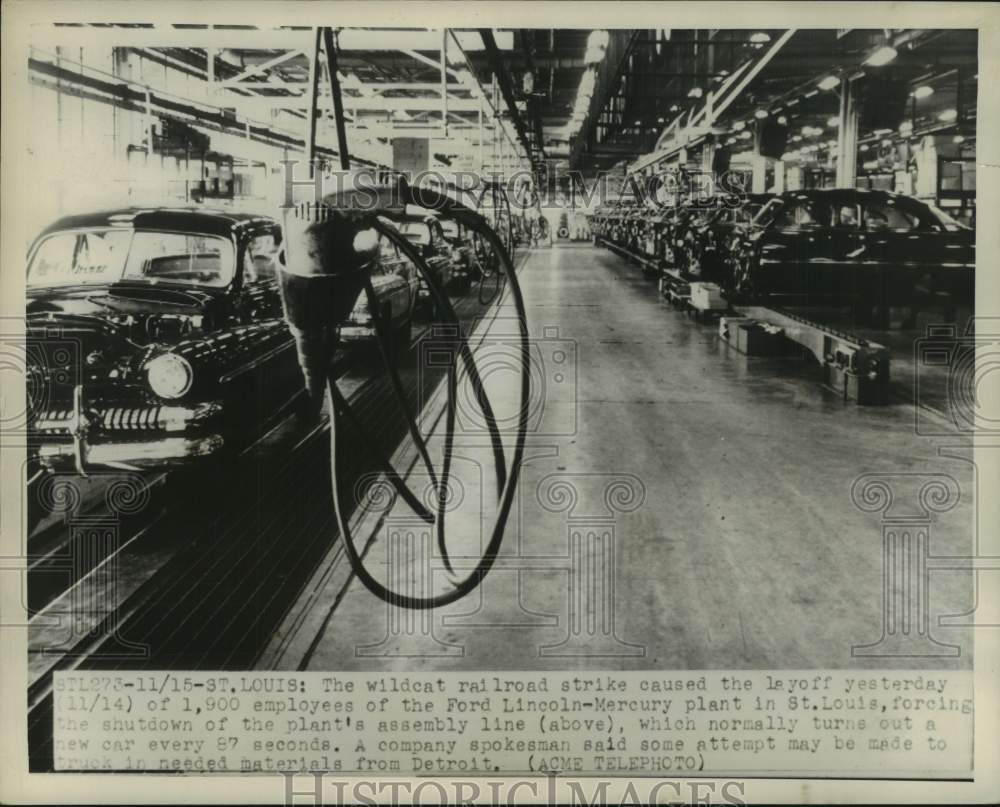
x,y
169,375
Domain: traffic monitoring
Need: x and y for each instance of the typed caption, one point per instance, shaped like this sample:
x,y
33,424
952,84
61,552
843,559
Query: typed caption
x,y
621,724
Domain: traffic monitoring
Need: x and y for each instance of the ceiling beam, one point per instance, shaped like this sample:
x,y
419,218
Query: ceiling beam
x,y
261,105
263,67
252,39
503,79
435,63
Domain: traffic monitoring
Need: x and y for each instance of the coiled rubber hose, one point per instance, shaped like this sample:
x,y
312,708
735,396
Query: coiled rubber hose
x,y
507,475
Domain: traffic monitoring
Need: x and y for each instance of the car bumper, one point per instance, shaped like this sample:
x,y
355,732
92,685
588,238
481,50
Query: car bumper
x,y
139,453
357,333
135,436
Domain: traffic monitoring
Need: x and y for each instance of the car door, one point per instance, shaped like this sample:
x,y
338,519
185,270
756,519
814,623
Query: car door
x,y
796,249
271,377
392,281
847,245
917,253
258,297
441,253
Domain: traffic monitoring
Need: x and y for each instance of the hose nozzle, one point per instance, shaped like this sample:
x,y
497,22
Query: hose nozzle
x,y
321,273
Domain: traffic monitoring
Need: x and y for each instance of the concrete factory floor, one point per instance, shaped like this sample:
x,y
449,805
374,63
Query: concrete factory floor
x,y
681,506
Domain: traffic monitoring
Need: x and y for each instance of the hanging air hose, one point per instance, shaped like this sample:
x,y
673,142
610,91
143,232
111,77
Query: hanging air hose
x,y
322,276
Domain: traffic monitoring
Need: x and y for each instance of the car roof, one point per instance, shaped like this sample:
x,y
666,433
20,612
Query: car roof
x,y
415,218
192,219
834,194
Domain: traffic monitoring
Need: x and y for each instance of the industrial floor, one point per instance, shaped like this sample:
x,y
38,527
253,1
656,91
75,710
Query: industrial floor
x,y
681,506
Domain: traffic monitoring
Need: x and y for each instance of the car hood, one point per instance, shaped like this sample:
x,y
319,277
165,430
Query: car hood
x,y
135,299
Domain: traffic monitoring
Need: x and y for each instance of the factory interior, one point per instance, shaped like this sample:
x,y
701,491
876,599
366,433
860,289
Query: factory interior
x,y
690,376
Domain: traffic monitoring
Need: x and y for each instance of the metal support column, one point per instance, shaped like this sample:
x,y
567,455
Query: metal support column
x,y
444,81
313,93
338,102
847,136
758,183
480,117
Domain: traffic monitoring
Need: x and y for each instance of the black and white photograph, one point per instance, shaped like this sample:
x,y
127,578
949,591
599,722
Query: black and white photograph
x,y
492,402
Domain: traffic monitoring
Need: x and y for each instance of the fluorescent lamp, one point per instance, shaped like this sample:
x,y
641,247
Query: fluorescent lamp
x,y
828,82
948,115
598,39
760,114
882,56
923,91
833,122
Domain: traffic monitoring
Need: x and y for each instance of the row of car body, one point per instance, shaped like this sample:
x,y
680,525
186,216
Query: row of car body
x,y
156,335
812,246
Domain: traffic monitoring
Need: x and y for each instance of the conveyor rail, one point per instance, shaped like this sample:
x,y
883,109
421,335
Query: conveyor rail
x,y
852,365
646,263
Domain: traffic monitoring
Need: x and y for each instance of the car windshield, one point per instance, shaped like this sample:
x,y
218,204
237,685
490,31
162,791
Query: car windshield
x,y
415,233
946,221
767,213
104,256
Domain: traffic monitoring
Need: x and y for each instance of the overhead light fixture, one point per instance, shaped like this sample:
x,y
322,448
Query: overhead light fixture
x,y
760,38
745,135
833,121
674,108
597,47
695,92
948,115
923,91
739,126
782,120
660,120
793,102
882,56
760,114
730,141
906,128
958,139
863,147
796,138
879,132
828,83
886,142
598,39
